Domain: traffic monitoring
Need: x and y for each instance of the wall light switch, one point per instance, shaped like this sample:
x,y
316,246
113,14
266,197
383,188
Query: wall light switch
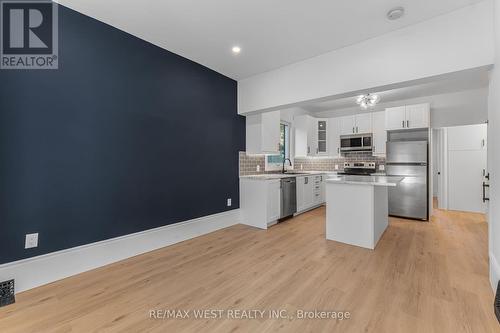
x,y
229,202
31,241
258,168
301,167
381,167
336,166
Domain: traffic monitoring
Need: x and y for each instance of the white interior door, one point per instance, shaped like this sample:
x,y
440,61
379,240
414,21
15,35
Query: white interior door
x,y
467,164
466,179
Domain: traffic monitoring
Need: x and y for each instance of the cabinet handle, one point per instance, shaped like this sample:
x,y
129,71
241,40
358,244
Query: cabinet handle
x,y
403,124
407,124
353,130
308,149
338,150
357,129
482,143
317,150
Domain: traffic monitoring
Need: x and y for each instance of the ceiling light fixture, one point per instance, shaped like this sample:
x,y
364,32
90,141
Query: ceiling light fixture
x,y
395,13
236,49
367,101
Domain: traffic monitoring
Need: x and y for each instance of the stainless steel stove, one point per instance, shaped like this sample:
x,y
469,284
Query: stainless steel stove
x,y
358,168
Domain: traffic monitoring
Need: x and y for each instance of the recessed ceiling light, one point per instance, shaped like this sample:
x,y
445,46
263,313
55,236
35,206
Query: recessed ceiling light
x,y
236,49
395,13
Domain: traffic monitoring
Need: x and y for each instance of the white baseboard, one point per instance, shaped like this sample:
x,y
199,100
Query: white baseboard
x,y
494,272
33,272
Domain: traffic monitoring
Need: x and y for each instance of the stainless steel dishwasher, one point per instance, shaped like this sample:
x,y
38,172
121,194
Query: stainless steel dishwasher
x,y
288,205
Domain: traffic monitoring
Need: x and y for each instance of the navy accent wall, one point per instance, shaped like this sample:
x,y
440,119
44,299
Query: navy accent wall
x,y
123,137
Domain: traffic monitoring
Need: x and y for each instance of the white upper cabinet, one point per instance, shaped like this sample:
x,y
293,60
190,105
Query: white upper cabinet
x,y
263,133
395,118
417,116
306,132
333,135
357,124
322,128
301,135
347,125
407,117
379,133
363,123
312,137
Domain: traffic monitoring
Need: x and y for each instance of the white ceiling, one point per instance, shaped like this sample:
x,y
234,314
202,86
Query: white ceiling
x,y
271,33
454,82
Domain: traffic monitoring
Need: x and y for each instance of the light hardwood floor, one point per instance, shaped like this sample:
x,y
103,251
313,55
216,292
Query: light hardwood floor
x,y
422,277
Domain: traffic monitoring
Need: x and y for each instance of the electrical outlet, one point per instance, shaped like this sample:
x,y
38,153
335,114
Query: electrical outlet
x,y
229,202
301,167
381,167
336,166
258,168
31,241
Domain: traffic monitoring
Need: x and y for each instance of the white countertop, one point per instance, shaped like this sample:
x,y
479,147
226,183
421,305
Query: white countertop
x,y
365,180
272,176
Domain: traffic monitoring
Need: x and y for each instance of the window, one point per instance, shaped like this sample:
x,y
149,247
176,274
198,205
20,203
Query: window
x,y
284,141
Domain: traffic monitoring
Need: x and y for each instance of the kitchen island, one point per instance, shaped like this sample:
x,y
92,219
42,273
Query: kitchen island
x,y
357,208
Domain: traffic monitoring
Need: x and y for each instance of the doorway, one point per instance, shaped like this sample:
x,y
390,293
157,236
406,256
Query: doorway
x,y
460,173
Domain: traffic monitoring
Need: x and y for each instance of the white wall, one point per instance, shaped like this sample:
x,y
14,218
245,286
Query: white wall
x,y
448,43
494,156
467,107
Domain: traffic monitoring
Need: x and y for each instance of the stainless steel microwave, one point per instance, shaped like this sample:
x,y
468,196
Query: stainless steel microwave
x,y
356,142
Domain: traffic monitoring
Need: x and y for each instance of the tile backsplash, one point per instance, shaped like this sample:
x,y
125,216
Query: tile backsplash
x,y
328,163
248,163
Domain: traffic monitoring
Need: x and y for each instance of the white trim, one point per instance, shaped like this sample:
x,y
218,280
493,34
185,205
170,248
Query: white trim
x,y
33,272
494,272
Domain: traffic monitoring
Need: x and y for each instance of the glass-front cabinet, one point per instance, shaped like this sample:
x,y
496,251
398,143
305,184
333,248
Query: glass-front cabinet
x,y
322,137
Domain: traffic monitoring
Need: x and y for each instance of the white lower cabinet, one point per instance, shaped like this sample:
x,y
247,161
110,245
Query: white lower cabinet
x,y
274,201
317,190
259,202
260,199
310,192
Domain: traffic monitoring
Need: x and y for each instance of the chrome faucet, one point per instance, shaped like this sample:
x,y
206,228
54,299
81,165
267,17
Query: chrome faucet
x,y
284,160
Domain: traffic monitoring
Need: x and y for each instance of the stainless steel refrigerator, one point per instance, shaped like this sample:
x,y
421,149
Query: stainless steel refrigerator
x,y
408,159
